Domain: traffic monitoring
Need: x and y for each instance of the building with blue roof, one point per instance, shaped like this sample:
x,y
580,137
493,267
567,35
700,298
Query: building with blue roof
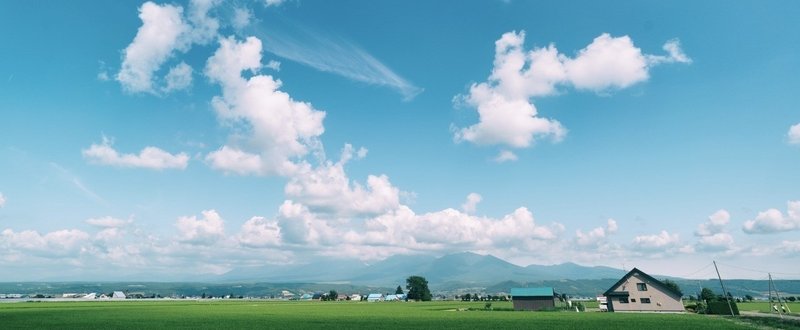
x,y
533,299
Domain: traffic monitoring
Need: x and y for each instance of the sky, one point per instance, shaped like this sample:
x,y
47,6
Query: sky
x,y
162,140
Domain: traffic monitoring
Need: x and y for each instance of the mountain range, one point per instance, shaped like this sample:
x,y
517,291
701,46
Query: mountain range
x,y
463,269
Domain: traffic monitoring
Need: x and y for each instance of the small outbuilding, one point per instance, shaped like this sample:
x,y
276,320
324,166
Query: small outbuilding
x,y
639,292
533,299
118,295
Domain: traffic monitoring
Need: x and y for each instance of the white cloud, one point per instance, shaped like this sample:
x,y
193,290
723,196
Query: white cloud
x,y
60,243
794,134
178,78
327,188
660,241
108,222
275,3
716,242
451,230
302,227
506,114
241,18
674,54
505,156
278,128
2,200
773,221
712,235
232,160
715,224
274,65
149,157
471,203
596,236
791,247
204,27
155,42
205,231
260,232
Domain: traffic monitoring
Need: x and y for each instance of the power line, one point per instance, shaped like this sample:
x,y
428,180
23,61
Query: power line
x,y
758,271
697,271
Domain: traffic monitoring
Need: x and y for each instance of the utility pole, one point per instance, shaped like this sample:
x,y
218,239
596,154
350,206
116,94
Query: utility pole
x,y
772,286
728,299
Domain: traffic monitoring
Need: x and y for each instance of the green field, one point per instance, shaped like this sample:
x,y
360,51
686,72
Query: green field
x,y
764,307
307,315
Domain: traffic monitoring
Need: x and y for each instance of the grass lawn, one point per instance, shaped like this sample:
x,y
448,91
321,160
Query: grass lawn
x,y
306,315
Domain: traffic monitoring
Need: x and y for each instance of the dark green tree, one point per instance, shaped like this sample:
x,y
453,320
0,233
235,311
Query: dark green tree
x,y
399,290
674,286
466,297
748,297
418,288
333,295
707,295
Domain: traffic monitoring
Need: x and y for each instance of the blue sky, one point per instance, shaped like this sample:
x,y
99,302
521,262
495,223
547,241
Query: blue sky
x,y
197,137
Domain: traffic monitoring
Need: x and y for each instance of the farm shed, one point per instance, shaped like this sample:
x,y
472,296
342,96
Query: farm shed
x,y
639,292
533,299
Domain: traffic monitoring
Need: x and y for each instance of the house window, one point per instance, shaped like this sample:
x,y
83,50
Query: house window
x,y
623,300
645,300
641,286
633,300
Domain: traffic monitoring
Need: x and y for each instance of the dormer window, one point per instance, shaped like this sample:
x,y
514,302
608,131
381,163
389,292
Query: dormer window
x,y
641,286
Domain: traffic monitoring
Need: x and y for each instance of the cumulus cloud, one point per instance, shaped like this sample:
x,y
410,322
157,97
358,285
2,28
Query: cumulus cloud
x,y
711,233
471,203
150,157
660,241
60,243
452,230
505,156
241,18
157,39
327,188
260,232
794,134
773,220
279,129
716,242
715,224
2,200
596,236
275,3
108,222
274,65
506,114
179,77
204,231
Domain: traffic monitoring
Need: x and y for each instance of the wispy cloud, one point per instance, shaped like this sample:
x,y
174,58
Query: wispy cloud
x,y
333,54
73,179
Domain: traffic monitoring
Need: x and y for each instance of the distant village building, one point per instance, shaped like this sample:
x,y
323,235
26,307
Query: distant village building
x,y
639,292
533,299
118,295
375,297
355,297
92,295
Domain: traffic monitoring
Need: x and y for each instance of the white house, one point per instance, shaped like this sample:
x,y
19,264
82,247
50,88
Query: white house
x,y
375,297
639,292
118,295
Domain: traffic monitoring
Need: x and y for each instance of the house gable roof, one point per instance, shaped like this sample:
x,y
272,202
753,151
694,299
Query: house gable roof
x,y
532,292
649,278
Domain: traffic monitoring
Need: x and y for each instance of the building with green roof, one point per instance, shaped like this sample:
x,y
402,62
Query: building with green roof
x,y
533,299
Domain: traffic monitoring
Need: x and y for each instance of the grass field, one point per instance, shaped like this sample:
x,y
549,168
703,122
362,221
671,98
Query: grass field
x,y
764,307
307,315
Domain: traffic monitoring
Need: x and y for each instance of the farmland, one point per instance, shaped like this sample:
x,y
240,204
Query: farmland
x,y
283,314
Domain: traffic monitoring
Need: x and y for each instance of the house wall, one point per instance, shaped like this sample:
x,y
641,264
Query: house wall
x,y
660,300
533,303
